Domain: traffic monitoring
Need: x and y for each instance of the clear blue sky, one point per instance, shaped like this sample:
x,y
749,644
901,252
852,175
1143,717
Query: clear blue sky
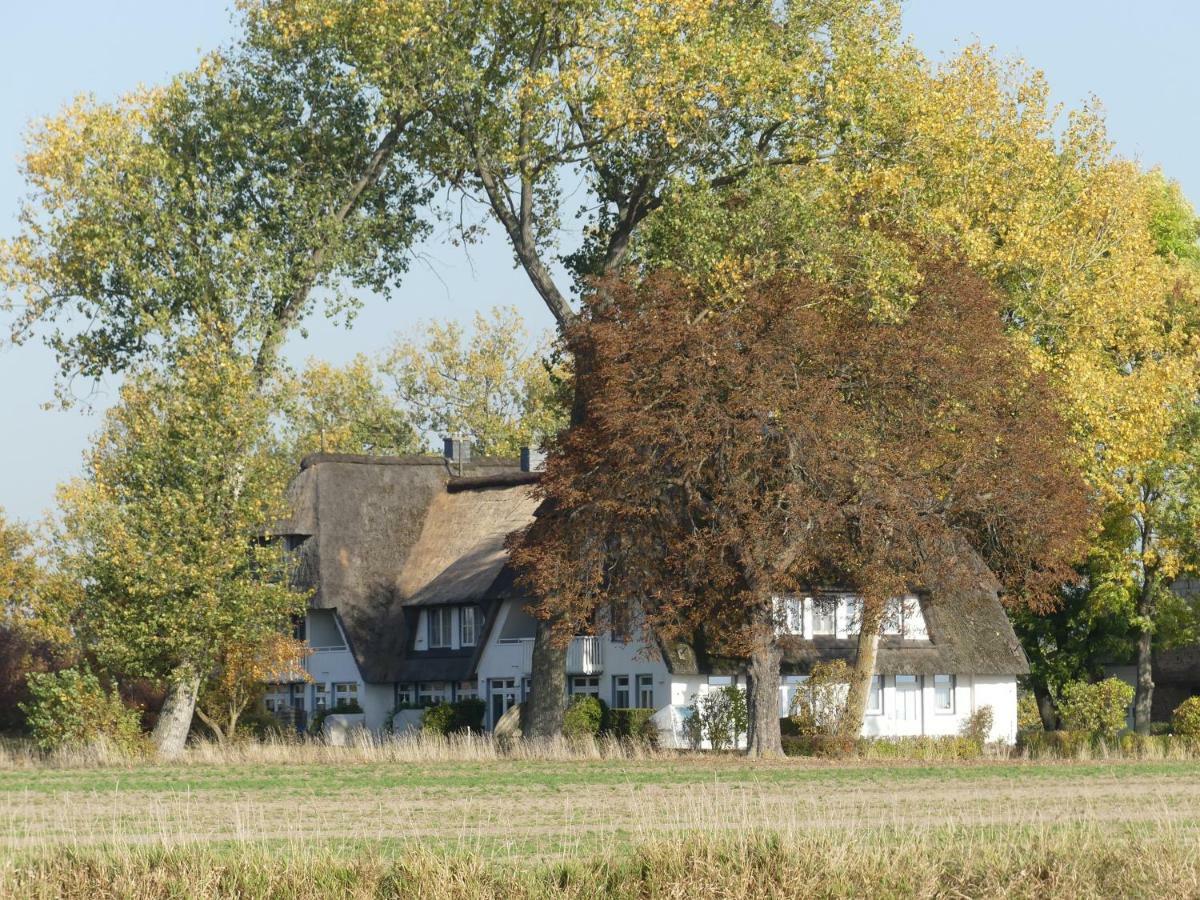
x,y
1139,58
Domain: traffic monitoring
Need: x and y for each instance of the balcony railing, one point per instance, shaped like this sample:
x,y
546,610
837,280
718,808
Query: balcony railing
x,y
585,656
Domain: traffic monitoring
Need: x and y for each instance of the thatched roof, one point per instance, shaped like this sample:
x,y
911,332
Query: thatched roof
x,y
388,534
969,633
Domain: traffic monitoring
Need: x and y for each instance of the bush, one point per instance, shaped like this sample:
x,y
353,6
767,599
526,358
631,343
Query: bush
x,y
720,717
438,719
1096,709
468,714
1057,744
583,717
72,709
632,723
831,746
978,726
1029,718
1186,718
820,702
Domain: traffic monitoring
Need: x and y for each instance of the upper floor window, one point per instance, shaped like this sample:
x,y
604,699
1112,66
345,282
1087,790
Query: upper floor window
x,y
439,626
824,620
470,625
903,617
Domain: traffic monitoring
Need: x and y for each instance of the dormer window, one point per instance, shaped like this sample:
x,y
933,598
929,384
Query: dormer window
x,y
469,626
824,620
439,626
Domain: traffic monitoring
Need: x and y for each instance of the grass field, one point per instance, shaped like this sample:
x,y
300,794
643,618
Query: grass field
x,y
655,826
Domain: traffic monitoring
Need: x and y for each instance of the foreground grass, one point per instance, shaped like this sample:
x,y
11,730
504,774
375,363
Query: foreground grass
x,y
1071,861
581,822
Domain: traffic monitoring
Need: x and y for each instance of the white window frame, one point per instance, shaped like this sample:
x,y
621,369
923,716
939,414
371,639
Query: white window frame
x,y
645,683
944,682
819,607
344,691
469,621
442,615
618,689
585,685
876,691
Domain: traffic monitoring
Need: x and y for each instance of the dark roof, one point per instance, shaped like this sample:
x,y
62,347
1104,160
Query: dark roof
x,y
387,534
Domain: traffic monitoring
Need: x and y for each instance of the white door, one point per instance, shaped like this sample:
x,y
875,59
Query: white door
x,y
908,704
503,693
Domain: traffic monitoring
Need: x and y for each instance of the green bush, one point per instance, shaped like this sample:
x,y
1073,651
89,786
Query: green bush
x,y
1186,718
978,726
584,717
1161,728
71,708
1097,709
438,719
631,723
468,714
1029,718
720,717
831,746
820,702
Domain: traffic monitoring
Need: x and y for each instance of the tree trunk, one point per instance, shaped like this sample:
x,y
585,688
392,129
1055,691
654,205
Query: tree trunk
x,y
1143,701
764,739
175,718
548,686
862,673
1046,709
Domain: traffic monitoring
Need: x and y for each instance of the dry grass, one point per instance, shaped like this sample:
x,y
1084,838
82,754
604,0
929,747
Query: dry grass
x,y
467,817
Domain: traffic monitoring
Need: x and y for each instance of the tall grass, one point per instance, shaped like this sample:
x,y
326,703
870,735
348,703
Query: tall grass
x,y
1046,862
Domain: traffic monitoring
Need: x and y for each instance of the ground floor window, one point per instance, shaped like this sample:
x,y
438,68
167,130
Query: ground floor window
x,y
467,690
645,691
404,695
432,693
943,693
908,697
586,684
875,697
345,693
320,696
620,692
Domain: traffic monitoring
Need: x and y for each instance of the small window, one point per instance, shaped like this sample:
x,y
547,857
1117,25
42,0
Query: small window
x,y
943,693
439,626
404,695
344,694
645,689
621,692
320,696
825,616
469,626
875,697
586,684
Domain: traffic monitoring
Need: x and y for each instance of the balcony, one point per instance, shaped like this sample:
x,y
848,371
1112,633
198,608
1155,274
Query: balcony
x,y
585,655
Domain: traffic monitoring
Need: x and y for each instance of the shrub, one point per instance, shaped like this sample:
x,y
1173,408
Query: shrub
x,y
820,702
632,723
438,719
978,726
468,714
940,748
832,746
1096,709
1029,718
583,717
72,709
1186,718
722,717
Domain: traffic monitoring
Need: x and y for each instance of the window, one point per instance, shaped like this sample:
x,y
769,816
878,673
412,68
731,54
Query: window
x,y
344,694
404,695
320,696
439,626
621,692
586,684
468,690
432,693
645,689
618,617
790,611
875,697
904,618
824,616
469,626
943,693
908,698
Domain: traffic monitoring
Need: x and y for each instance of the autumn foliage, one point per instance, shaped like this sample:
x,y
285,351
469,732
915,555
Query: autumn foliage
x,y
734,453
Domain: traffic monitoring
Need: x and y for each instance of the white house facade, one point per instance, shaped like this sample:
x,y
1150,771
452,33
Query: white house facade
x,y
414,604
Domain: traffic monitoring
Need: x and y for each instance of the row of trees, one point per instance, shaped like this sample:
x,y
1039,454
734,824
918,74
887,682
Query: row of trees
x,y
799,157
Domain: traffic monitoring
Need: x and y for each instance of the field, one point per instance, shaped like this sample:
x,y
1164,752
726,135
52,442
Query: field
x,y
309,822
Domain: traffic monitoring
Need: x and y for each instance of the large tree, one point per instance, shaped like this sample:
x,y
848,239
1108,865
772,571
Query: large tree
x,y
164,532
735,453
216,209
526,105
